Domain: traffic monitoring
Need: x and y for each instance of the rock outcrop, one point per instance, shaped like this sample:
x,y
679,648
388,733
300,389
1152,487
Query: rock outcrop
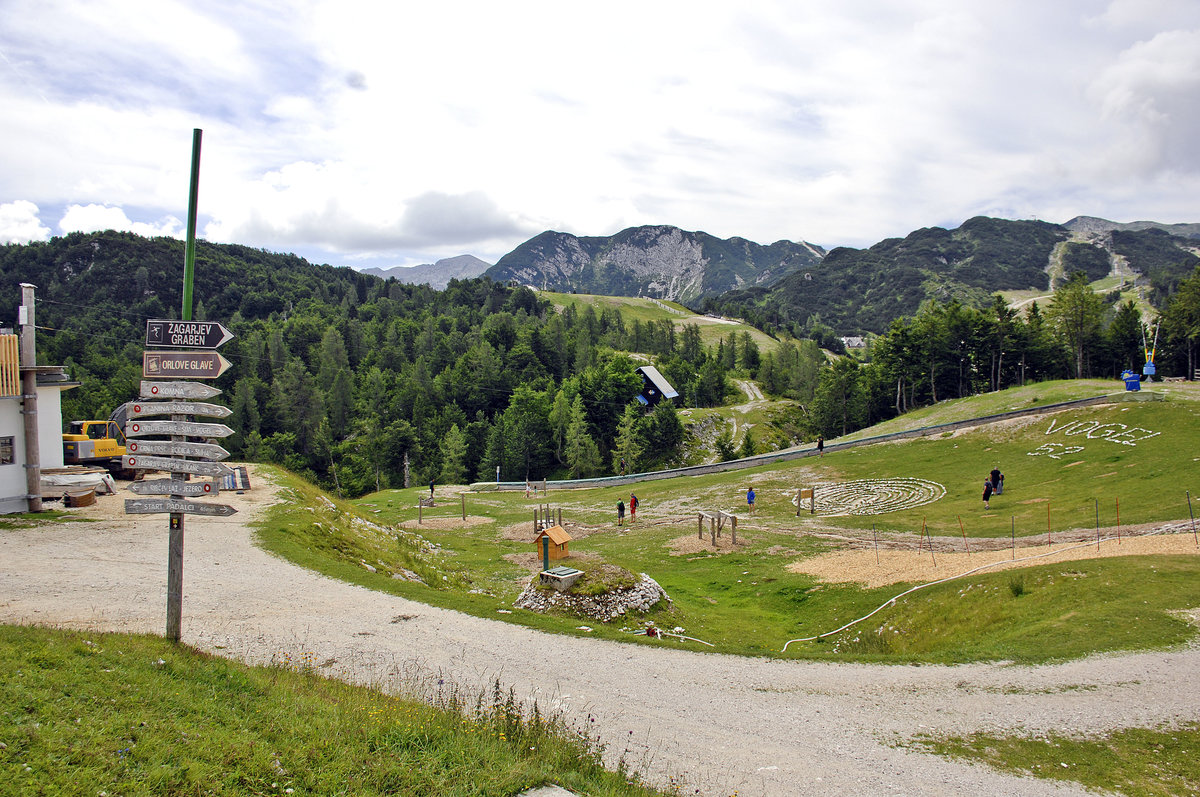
x,y
660,261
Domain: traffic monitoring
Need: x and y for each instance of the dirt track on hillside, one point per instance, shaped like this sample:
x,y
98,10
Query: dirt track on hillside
x,y
725,723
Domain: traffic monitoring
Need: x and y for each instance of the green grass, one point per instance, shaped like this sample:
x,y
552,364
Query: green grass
x,y
88,714
747,602
641,309
29,520
1140,761
1045,613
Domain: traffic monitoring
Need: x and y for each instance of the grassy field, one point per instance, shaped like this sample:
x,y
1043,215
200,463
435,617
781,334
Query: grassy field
x,y
1132,462
1142,761
644,309
748,599
96,714
91,713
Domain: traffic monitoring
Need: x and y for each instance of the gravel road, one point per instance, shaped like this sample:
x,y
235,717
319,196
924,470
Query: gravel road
x,y
722,723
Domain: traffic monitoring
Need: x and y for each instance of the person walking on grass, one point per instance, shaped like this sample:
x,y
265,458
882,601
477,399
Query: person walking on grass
x,y
633,503
987,493
750,499
620,512
820,445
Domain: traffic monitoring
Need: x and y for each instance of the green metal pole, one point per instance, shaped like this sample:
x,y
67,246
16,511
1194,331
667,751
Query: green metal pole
x,y
189,257
176,530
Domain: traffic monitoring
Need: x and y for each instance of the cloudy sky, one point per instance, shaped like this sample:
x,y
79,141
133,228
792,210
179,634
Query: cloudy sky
x,y
357,132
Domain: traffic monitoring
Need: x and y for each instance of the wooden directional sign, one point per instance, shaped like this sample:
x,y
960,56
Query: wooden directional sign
x,y
139,409
177,465
148,506
183,364
143,428
175,487
183,390
191,334
171,448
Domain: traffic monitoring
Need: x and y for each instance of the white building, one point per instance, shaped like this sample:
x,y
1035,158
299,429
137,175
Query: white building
x,y
51,381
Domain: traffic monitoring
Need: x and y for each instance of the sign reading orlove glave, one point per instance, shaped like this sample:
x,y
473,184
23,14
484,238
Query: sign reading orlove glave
x,y
183,364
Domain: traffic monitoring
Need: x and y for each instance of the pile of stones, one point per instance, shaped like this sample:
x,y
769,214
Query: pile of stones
x,y
602,608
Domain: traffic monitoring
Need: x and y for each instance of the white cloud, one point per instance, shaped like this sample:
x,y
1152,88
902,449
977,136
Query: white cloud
x,y
353,130
94,218
1152,92
20,223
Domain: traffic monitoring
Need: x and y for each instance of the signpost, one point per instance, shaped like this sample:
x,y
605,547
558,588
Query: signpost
x,y
142,428
149,506
192,334
184,390
183,364
139,409
158,367
178,465
172,448
174,487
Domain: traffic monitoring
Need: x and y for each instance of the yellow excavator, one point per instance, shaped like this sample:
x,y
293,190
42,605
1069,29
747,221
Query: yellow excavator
x,y
98,443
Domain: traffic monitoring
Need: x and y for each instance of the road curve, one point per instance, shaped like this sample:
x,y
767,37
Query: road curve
x,y
723,723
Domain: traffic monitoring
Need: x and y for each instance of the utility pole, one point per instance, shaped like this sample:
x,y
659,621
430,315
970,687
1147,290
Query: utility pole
x,y
28,359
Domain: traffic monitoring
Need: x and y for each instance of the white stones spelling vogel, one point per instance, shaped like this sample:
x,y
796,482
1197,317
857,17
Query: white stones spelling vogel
x,y
875,496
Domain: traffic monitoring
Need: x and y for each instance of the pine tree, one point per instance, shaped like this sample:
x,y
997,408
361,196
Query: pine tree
x,y
628,446
454,454
583,455
748,448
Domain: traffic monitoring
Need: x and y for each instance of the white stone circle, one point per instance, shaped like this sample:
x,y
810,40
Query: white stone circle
x,y
875,496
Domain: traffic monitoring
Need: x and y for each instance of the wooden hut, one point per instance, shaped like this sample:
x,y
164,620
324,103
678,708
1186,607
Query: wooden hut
x,y
559,540
655,387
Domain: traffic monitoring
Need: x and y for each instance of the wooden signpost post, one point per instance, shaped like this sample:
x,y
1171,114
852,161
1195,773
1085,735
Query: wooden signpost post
x,y
172,455
182,401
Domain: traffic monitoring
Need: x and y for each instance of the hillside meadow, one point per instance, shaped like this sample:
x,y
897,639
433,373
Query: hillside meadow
x,y
1125,468
281,728
636,308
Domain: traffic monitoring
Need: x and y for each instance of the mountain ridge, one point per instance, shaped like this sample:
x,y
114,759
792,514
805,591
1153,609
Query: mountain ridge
x,y
435,275
661,261
1095,224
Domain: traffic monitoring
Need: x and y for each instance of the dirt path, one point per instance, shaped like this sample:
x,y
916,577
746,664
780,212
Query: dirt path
x,y
757,727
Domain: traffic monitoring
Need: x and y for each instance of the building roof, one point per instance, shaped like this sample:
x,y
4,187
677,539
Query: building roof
x,y
557,534
659,381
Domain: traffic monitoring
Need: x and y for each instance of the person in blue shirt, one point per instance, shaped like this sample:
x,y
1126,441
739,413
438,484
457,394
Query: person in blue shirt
x,y
750,499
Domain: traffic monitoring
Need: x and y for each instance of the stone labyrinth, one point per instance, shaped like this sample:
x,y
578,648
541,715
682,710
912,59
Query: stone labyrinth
x,y
875,496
